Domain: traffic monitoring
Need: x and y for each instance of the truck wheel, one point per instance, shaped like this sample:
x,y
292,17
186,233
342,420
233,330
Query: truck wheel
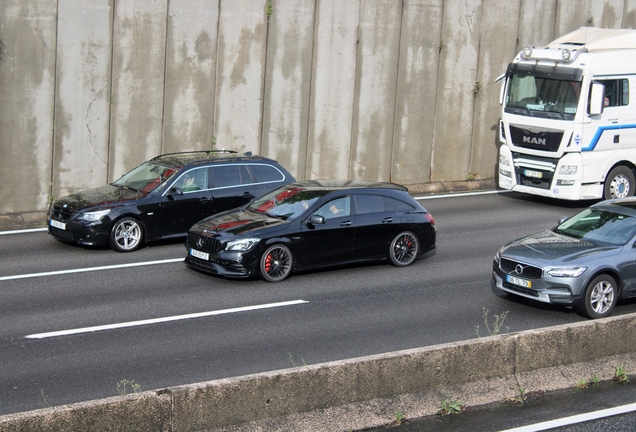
x,y
619,183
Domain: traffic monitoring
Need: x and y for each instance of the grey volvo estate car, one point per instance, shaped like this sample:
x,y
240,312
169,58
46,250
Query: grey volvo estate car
x,y
163,197
587,262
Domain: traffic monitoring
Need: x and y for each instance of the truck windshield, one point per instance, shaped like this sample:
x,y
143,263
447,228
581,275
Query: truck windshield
x,y
538,96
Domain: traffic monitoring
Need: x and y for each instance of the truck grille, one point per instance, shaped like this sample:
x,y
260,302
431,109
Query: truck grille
x,y
542,140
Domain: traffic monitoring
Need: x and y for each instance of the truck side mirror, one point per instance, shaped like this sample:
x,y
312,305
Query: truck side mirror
x,y
502,90
597,99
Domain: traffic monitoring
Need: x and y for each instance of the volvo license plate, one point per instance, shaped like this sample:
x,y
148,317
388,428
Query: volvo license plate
x,y
519,281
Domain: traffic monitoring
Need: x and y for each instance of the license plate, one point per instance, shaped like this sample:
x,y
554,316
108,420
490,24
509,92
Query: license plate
x,y
518,281
533,174
198,254
57,224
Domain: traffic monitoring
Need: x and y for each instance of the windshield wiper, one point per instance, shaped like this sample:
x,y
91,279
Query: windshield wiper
x,y
125,187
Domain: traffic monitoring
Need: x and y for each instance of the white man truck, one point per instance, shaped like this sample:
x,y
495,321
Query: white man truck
x,y
568,124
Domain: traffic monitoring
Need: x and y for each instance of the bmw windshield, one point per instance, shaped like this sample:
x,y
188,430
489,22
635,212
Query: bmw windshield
x,y
146,177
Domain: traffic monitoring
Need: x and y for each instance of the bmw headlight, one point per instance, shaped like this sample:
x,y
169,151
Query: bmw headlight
x,y
242,245
93,216
567,272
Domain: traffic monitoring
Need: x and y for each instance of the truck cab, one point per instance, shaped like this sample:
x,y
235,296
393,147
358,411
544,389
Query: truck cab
x,y
568,124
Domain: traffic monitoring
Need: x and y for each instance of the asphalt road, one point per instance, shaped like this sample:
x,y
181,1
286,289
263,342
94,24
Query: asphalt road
x,y
336,314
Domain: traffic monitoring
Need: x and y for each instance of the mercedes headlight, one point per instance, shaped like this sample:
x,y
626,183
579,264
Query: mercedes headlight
x,y
242,245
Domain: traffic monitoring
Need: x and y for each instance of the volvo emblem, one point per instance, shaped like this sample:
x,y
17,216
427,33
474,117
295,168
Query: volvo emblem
x,y
519,269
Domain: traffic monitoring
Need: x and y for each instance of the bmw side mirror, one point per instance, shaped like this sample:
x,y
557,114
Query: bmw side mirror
x,y
315,219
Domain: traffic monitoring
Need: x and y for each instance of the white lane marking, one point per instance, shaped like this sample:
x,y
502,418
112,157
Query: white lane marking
x,y
565,421
454,195
22,231
90,269
162,320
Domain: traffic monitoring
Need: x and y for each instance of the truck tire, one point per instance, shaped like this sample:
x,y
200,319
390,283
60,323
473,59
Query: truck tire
x,y
619,183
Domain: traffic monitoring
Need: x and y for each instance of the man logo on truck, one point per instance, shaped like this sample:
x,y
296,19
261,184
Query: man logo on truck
x,y
533,140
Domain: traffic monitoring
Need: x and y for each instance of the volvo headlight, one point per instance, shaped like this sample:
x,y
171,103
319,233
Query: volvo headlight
x,y
93,216
242,245
567,272
568,169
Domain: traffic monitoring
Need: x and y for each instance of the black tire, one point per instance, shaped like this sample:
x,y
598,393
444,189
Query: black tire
x,y
599,298
404,249
127,235
619,183
276,263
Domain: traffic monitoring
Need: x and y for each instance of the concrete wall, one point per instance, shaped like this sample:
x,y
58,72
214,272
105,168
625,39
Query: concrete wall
x,y
365,392
359,89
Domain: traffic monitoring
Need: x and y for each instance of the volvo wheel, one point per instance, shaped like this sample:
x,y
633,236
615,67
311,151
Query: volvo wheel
x,y
619,183
276,263
126,235
599,297
404,249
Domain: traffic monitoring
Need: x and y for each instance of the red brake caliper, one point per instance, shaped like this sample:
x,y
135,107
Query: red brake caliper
x,y
268,262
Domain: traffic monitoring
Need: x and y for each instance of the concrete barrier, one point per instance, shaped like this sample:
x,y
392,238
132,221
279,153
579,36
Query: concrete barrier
x,y
363,392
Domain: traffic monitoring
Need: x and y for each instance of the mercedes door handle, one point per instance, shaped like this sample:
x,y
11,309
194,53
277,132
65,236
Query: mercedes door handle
x,y
347,223
387,220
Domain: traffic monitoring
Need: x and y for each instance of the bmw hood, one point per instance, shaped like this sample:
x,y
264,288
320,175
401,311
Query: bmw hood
x,y
238,223
549,247
103,195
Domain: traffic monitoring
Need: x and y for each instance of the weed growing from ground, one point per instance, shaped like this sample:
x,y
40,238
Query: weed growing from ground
x,y
620,375
122,386
496,325
291,358
585,383
450,407
45,398
398,417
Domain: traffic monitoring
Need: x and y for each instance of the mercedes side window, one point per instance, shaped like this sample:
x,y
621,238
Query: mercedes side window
x,y
338,207
400,206
366,204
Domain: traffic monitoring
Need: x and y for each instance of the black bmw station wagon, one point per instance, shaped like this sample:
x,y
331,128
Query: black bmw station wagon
x,y
163,197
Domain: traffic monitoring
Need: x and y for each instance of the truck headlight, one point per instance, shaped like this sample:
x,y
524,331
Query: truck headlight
x,y
503,160
568,169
